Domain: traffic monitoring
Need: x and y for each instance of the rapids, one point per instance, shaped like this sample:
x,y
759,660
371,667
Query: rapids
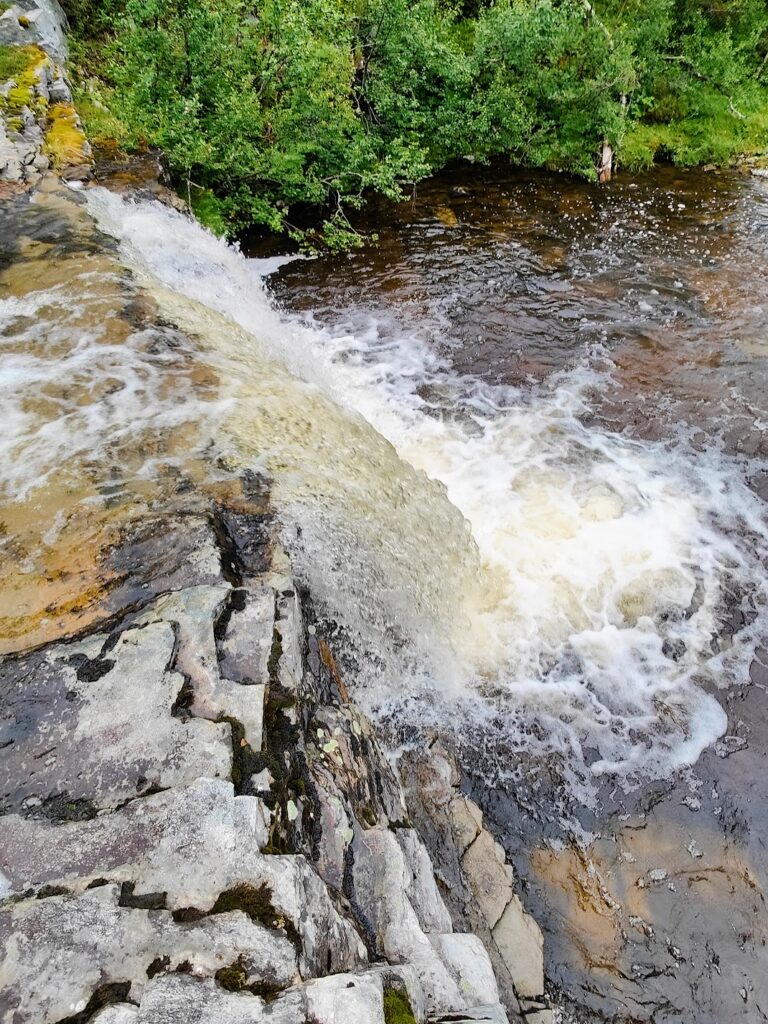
x,y
494,555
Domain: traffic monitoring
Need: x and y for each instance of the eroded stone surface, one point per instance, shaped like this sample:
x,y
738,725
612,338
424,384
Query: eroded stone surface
x,y
194,613
346,999
380,882
478,882
92,721
57,951
174,904
161,843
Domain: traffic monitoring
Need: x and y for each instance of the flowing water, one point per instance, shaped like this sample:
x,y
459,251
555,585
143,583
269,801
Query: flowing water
x,y
518,453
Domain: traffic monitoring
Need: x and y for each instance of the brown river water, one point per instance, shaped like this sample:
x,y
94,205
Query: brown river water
x,y
518,453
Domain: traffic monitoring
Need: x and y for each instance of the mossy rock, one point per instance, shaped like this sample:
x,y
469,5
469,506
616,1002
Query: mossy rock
x,y
21,65
234,977
397,1008
67,145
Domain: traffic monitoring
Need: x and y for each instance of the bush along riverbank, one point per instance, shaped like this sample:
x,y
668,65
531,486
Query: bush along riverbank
x,y
289,112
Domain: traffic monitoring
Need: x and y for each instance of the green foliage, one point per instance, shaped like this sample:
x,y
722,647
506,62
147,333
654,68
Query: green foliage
x,y
290,111
208,209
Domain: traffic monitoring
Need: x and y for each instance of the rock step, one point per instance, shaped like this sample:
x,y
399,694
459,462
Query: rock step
x,y
198,825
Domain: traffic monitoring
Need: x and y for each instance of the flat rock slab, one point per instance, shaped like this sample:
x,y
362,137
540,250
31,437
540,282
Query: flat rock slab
x,y
183,999
56,952
170,843
88,725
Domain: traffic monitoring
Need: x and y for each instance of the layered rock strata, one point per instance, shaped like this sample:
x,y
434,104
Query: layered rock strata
x,y
199,825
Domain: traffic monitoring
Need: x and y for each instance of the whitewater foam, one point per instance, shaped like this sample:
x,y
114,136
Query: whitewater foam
x,y
574,601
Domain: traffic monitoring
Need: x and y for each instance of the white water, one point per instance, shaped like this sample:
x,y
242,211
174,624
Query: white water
x,y
590,557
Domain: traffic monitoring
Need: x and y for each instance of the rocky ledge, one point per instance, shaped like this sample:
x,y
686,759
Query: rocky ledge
x,y
39,126
198,825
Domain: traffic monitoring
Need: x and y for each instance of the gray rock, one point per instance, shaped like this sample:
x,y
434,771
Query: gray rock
x,y
57,951
336,830
329,942
490,878
467,820
421,888
380,880
341,744
477,882
290,627
193,612
92,721
166,843
521,944
58,88
184,999
468,962
117,1013
346,999
247,643
46,25
494,1014
11,166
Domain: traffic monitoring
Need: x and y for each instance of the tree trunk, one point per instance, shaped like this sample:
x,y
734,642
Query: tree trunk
x,y
606,163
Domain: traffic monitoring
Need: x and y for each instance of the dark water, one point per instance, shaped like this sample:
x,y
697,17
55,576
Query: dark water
x,y
653,906
516,276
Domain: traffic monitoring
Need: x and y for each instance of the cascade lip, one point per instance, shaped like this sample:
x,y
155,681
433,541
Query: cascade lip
x,y
566,509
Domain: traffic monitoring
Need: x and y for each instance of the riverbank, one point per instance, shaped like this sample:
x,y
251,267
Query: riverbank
x,y
292,116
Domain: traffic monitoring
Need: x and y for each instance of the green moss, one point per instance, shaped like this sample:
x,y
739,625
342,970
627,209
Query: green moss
x,y
255,901
20,64
397,1008
275,655
233,978
209,211
64,139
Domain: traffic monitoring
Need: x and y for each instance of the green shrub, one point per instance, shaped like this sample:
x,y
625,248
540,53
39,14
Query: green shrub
x,y
283,107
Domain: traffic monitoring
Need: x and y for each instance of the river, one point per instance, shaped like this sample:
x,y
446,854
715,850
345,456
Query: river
x,y
518,454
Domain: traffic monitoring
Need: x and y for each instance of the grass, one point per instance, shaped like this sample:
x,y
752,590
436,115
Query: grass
x,y
19,61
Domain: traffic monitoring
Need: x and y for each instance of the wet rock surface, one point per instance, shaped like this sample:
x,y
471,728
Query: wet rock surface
x,y
654,908
198,825
472,871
